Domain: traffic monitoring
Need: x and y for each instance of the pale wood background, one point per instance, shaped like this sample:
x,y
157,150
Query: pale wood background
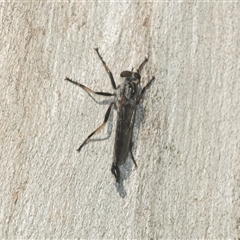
x,y
187,184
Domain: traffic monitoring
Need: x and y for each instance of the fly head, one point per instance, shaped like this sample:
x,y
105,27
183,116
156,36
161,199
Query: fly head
x,y
130,76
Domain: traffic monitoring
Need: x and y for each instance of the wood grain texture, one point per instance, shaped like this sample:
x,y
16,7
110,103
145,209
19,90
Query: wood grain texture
x,y
187,132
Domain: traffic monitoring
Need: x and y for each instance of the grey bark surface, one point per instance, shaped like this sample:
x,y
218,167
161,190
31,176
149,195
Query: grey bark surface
x,y
186,138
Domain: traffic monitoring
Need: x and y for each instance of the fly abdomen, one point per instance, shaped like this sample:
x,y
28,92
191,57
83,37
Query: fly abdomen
x,y
121,149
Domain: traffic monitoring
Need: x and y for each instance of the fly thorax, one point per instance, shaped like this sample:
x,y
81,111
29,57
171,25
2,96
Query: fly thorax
x,y
130,90
129,87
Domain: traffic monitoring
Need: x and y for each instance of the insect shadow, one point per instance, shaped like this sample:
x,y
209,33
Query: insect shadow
x,y
109,122
127,100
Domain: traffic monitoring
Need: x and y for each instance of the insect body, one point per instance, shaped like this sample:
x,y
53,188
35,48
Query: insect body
x,y
127,97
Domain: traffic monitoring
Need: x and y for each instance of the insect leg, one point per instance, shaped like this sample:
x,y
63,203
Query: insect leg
x,y
144,89
88,89
99,128
131,136
142,65
107,69
131,146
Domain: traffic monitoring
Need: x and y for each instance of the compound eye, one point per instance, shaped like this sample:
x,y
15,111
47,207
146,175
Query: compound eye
x,y
137,76
126,74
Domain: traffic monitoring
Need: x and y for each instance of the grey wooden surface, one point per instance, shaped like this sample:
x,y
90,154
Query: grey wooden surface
x,y
187,145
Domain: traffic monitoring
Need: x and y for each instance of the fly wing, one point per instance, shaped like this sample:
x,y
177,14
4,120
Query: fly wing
x,y
125,122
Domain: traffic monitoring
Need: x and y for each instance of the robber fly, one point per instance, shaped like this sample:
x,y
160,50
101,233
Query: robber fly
x,y
127,96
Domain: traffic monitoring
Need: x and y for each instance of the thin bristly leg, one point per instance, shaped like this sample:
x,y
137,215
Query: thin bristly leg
x,y
137,102
142,65
131,137
99,128
88,89
131,145
107,69
144,89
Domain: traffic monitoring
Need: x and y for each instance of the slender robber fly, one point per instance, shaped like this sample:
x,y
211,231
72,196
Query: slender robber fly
x,y
127,96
